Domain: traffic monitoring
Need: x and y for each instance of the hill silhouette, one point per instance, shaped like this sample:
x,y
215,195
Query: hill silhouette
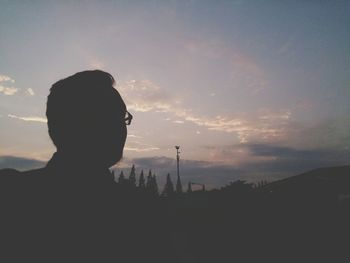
x,y
339,174
20,163
303,218
331,180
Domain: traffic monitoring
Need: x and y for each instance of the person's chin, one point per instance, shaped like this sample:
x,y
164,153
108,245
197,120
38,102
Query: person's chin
x,y
109,160
115,159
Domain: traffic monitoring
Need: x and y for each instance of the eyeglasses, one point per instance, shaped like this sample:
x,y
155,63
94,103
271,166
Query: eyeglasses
x,y
128,118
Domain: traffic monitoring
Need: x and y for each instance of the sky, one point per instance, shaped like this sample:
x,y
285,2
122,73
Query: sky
x,y
250,90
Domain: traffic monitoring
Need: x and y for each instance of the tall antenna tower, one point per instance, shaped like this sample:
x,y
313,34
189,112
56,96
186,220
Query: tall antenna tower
x,y
178,183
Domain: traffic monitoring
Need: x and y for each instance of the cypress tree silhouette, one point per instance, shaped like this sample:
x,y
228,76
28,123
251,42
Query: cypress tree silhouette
x,y
149,179
169,187
142,181
121,179
132,176
178,185
154,185
150,184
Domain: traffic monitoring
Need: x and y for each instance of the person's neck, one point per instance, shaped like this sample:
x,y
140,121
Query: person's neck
x,y
76,167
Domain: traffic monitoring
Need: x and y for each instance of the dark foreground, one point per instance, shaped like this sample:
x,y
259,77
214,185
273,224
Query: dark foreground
x,y
301,219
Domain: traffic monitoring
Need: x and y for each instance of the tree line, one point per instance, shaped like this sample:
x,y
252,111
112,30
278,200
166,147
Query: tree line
x,y
149,183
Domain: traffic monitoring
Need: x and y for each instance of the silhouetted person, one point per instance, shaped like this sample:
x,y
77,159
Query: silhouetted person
x,y
71,210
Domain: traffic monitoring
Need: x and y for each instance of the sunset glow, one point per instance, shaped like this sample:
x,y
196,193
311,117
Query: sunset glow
x,y
250,89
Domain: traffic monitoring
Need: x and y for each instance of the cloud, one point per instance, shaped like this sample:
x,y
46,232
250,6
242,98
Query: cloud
x,y
137,146
154,162
9,91
145,96
30,92
134,136
20,163
4,78
314,158
179,122
326,134
262,125
274,161
29,118
245,71
287,162
95,63
6,87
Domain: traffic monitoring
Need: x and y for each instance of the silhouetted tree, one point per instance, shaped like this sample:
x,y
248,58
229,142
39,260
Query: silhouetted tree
x,y
169,187
178,185
151,184
149,181
154,185
142,181
121,179
132,176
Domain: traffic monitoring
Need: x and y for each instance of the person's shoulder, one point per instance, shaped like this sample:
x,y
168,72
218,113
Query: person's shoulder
x,y
10,181
34,173
19,184
9,171
9,175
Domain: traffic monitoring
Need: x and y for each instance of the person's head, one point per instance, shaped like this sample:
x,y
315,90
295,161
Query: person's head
x,y
86,118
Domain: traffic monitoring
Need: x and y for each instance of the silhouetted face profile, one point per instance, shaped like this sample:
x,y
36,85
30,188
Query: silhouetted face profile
x,y
87,119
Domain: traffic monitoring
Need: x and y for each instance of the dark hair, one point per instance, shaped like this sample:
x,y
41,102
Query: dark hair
x,y
81,102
